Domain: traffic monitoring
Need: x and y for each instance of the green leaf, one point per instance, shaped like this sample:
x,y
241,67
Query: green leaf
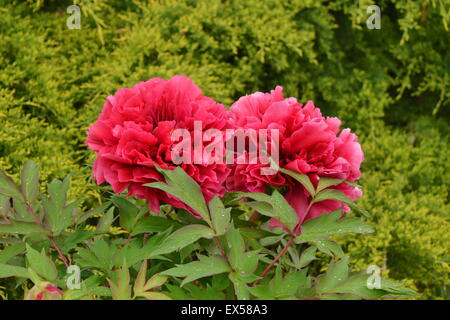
x,y
291,283
286,214
179,184
128,212
302,178
11,251
22,228
5,206
104,252
153,224
121,289
205,267
75,238
332,194
105,222
9,188
155,281
219,215
325,182
329,247
7,270
41,264
265,208
279,287
335,274
140,286
357,285
274,206
307,257
395,288
152,295
183,237
97,211
88,259
30,181
140,278
21,211
58,216
236,247
332,223
240,287
240,260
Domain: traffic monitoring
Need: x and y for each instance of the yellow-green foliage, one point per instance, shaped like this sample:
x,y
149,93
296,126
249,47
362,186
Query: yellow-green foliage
x,y
406,183
53,83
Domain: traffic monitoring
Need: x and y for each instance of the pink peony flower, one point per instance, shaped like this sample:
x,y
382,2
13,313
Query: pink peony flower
x,y
134,132
44,291
308,143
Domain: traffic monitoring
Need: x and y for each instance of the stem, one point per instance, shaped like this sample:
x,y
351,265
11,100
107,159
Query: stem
x,y
127,242
61,256
283,251
219,244
274,261
53,242
254,216
297,227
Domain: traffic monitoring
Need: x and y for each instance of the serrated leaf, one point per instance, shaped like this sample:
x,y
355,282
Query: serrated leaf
x,y
41,264
101,249
180,185
30,181
88,259
75,238
332,223
205,267
182,237
9,188
58,215
220,216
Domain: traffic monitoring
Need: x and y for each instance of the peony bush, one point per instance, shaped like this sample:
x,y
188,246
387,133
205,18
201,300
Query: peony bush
x,y
206,204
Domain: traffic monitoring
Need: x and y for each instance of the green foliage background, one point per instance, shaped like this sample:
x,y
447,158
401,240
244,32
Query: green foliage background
x,y
391,86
